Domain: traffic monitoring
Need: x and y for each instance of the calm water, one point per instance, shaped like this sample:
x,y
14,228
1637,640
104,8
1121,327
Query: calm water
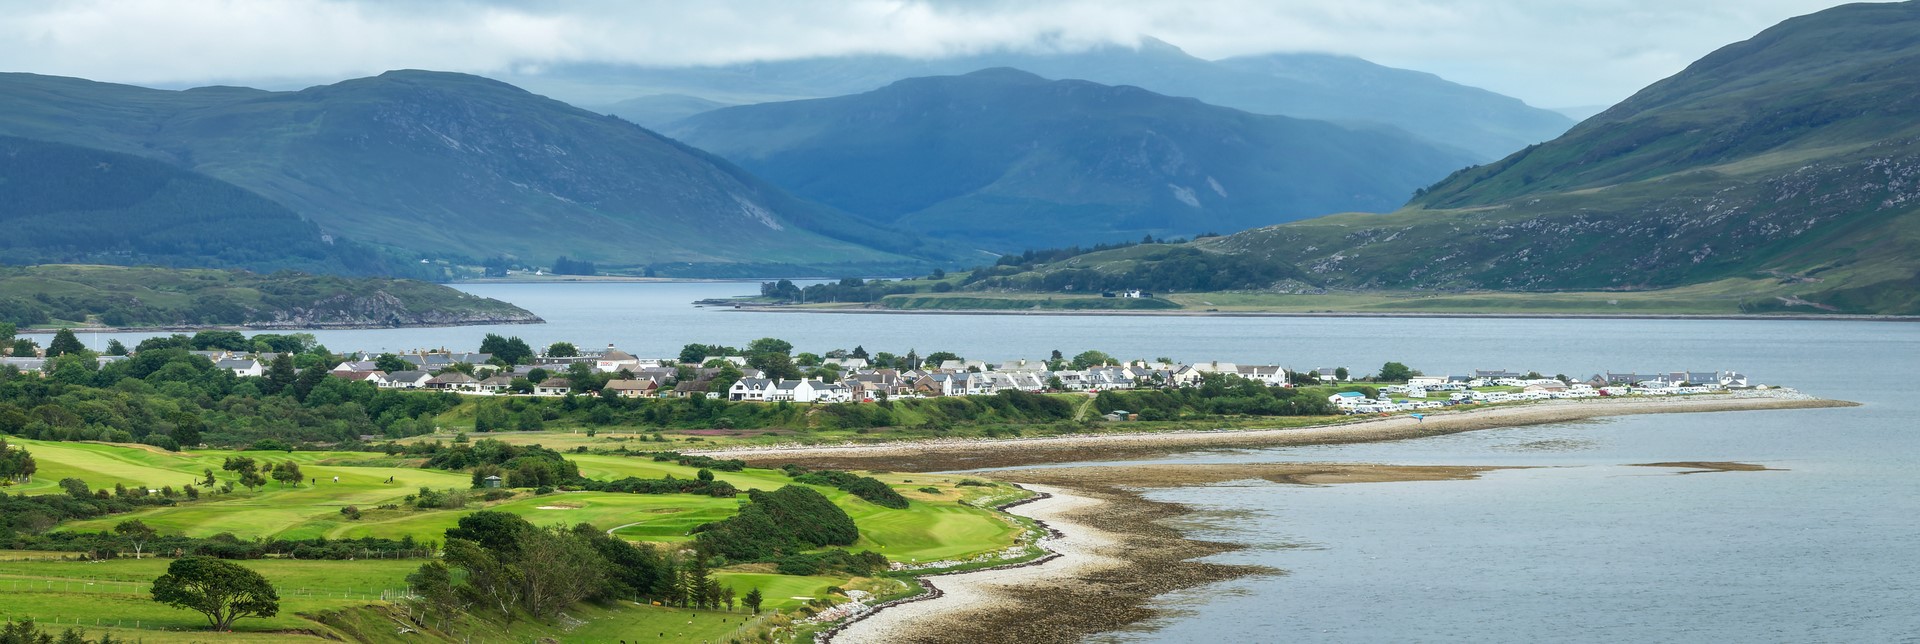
x,y
1584,549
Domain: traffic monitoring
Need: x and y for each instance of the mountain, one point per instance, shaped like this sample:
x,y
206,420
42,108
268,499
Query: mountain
x,y
1785,168
66,204
1309,86
656,110
457,165
1005,160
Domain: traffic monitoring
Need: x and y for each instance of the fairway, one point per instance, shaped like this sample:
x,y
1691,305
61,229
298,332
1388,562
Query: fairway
x,y
932,527
344,599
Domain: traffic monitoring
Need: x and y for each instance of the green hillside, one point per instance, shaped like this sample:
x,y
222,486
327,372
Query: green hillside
x,y
1004,160
148,296
68,204
1787,165
456,165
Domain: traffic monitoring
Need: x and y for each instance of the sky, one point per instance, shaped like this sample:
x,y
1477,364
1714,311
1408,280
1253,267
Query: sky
x,y
1550,53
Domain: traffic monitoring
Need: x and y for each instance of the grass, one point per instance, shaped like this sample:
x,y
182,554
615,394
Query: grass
x,y
342,599
932,527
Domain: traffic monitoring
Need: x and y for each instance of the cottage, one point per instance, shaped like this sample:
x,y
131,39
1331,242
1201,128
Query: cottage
x,y
452,381
377,377
495,384
553,387
633,388
749,389
407,379
242,367
493,480
613,360
845,364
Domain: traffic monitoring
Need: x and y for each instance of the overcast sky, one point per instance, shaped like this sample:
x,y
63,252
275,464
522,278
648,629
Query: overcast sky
x,y
1551,53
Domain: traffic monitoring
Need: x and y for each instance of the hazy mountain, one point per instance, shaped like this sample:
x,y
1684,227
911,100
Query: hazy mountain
x,y
454,164
68,204
1786,167
1312,86
656,110
1008,160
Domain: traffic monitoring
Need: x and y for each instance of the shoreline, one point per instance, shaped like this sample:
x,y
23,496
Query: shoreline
x,y
268,327
1340,314
973,454
1114,553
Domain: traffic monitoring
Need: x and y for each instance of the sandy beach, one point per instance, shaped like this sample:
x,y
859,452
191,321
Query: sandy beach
x,y
963,454
1119,550
1117,554
1082,548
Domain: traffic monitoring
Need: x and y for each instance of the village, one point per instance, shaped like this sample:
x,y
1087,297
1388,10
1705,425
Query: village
x,y
847,379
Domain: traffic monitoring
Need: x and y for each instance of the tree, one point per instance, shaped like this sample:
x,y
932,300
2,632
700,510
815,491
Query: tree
x,y
288,472
15,463
433,582
934,359
1087,359
752,600
220,590
562,350
310,378
64,342
76,488
137,534
1340,373
858,352
509,350
25,348
1054,383
1394,372
280,375
115,348
770,345
390,363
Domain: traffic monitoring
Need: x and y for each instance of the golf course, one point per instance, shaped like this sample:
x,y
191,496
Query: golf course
x,y
362,598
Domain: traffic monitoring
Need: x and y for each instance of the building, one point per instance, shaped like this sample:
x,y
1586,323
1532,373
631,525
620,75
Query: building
x,y
242,367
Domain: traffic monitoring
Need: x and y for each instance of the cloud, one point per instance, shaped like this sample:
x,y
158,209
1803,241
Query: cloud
x,y
1549,53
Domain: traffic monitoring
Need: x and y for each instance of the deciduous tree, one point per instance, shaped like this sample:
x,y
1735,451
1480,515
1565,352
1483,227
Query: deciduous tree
x,y
221,590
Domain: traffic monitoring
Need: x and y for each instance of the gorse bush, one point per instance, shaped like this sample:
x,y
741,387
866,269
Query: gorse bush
x,y
791,519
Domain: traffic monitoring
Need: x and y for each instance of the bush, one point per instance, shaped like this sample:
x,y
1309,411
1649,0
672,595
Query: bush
x,y
351,513
544,489
786,521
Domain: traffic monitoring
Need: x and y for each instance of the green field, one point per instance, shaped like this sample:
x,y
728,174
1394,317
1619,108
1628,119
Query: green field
x,y
343,599
112,596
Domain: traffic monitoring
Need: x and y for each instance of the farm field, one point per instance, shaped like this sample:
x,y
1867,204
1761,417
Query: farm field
x,y
343,599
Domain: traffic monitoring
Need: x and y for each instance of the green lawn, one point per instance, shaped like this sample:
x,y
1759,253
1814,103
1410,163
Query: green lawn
x,y
932,527
342,599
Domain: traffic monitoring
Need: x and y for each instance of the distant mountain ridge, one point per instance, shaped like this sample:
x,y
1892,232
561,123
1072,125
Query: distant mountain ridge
x,y
1309,86
68,204
1003,159
1785,168
459,165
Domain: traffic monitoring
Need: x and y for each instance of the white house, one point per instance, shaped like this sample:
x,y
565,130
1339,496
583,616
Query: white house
x,y
1270,375
749,389
553,387
407,380
1348,400
613,360
242,367
846,364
